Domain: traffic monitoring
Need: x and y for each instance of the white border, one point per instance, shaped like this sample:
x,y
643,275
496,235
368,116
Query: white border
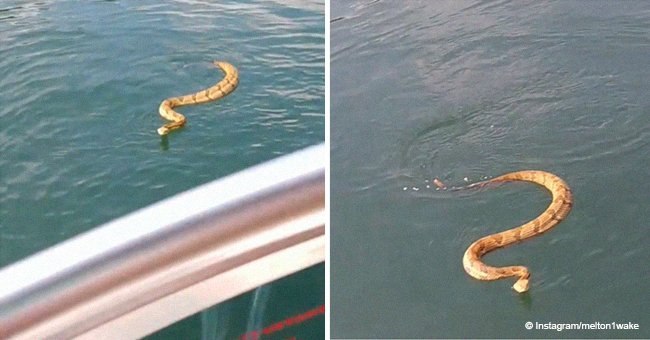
x,y
327,169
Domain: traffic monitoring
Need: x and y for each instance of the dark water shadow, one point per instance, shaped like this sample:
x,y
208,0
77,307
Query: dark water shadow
x,y
164,143
525,300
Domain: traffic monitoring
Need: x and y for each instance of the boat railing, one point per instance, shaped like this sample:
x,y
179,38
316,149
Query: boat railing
x,y
150,268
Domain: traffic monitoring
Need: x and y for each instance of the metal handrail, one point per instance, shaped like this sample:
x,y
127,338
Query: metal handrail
x,y
146,270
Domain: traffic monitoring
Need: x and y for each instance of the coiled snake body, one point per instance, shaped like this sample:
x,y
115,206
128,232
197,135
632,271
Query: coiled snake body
x,y
220,90
559,208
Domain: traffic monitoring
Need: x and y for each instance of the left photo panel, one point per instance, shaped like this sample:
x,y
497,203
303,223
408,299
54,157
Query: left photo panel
x,y
163,169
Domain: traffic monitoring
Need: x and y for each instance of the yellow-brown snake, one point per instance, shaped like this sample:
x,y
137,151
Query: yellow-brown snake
x,y
220,90
559,208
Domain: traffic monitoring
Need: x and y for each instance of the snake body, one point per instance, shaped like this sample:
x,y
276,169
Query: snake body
x,y
559,208
220,90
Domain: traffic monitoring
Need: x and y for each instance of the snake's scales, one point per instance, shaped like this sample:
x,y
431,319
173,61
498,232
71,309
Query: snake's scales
x,y
220,90
559,208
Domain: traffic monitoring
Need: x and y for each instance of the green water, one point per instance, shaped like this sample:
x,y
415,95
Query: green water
x,y
80,85
264,307
471,90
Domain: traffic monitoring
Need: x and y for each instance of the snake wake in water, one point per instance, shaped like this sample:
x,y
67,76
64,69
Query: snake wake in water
x,y
218,91
559,208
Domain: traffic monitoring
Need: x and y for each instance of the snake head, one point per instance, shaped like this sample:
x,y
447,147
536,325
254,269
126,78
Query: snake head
x,y
522,285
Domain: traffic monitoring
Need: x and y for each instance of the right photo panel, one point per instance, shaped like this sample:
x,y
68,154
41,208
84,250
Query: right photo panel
x,y
489,169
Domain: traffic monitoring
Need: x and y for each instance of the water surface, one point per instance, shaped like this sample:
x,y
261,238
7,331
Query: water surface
x,y
469,90
80,85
